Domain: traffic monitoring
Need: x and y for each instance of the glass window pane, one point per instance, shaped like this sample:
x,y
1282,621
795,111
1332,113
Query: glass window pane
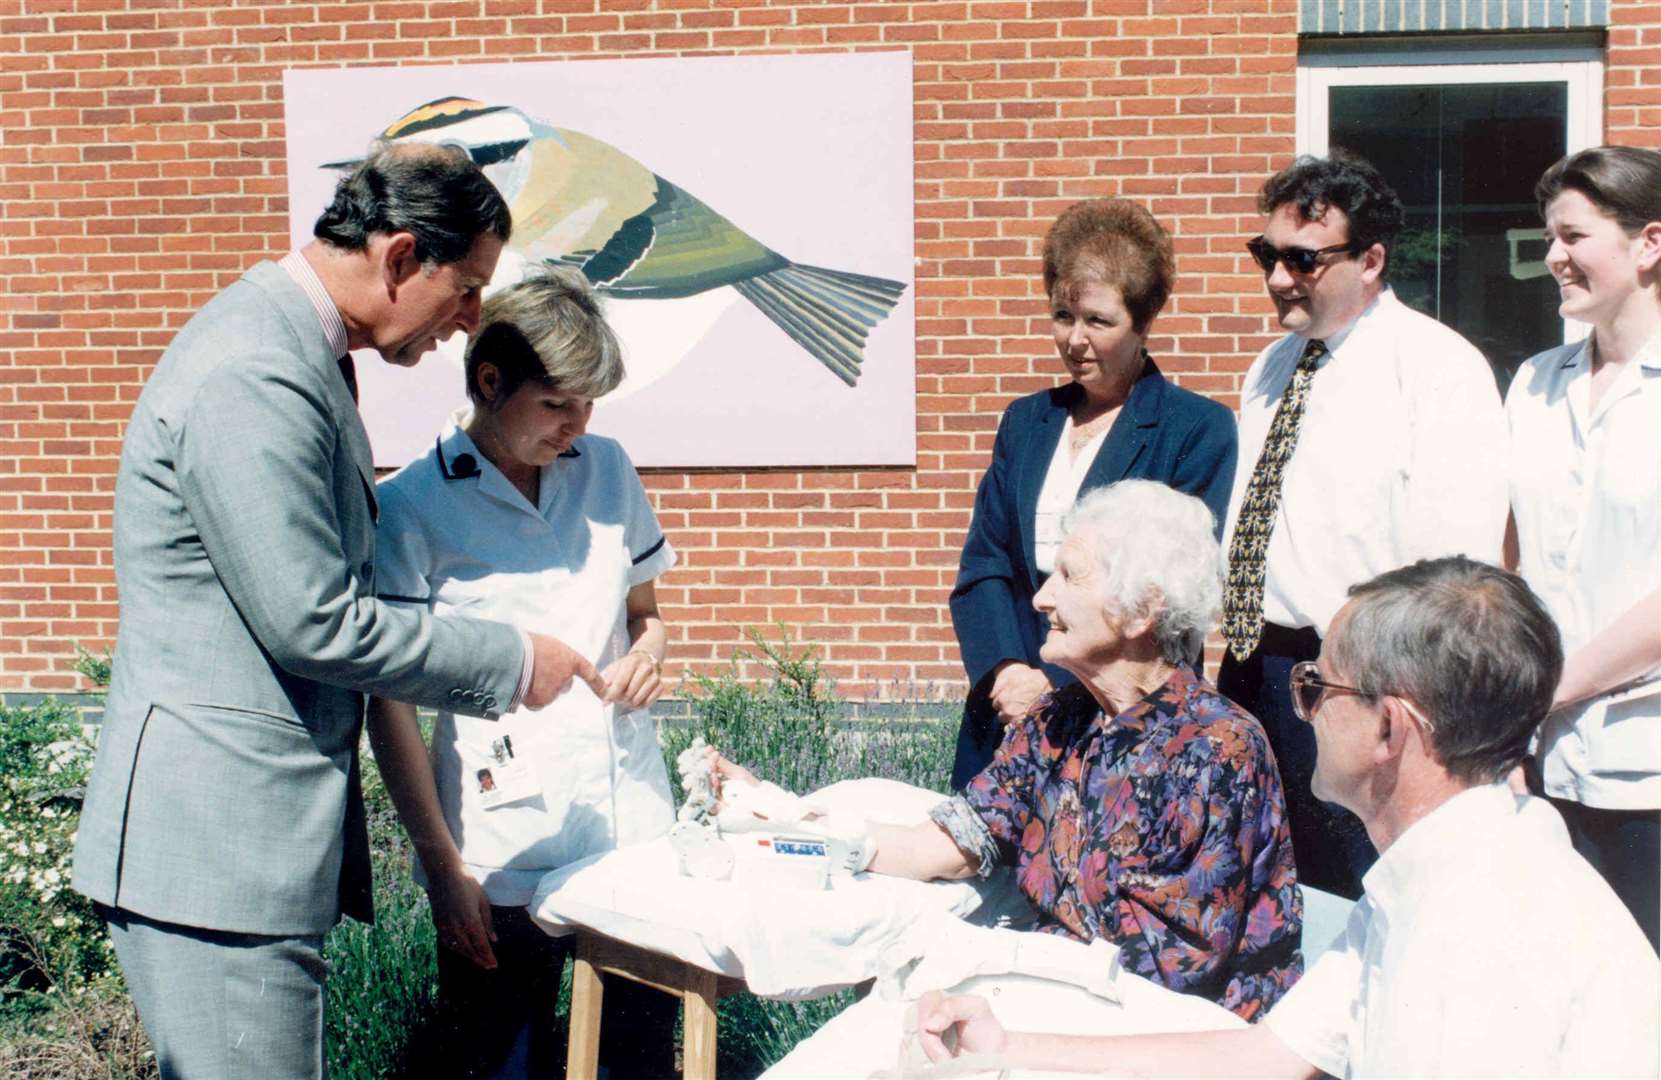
x,y
1464,159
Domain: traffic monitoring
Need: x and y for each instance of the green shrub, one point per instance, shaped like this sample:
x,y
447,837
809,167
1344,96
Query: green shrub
x,y
383,978
793,729
51,942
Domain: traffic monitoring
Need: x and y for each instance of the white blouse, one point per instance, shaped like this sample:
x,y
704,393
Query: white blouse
x,y
1586,493
1060,491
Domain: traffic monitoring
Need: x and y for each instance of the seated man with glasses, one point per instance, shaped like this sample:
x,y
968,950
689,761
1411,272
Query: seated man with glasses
x,y
1485,944
1370,436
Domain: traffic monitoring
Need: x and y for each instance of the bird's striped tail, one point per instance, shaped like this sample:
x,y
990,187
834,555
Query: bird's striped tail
x,y
827,312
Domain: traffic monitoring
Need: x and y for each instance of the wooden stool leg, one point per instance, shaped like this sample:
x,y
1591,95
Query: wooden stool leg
x,y
699,1024
582,1055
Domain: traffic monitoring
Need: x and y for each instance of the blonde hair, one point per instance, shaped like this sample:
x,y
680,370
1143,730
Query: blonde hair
x,y
550,329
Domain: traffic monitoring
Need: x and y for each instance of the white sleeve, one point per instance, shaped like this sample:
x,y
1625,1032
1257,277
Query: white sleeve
x,y
1313,1019
649,549
1458,492
403,555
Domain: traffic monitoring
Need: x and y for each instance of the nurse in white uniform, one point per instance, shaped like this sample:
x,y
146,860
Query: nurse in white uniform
x,y
517,515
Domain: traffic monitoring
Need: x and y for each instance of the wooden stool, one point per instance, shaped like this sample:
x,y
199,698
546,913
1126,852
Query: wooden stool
x,y
599,956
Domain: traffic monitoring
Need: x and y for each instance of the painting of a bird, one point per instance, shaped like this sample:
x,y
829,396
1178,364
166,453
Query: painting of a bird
x,y
579,201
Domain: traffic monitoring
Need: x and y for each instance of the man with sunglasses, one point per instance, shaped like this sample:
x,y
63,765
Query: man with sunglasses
x,y
1370,436
1485,944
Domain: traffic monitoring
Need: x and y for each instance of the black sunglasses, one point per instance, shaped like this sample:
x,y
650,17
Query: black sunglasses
x,y
1299,260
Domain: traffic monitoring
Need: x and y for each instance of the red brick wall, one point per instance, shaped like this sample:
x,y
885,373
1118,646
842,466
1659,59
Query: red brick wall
x,y
1632,80
141,170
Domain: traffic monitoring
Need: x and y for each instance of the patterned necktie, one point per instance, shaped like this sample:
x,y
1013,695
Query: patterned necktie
x,y
1249,550
349,372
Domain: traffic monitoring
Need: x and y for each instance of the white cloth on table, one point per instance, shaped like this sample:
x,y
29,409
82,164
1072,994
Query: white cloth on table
x,y
784,943
1586,493
1400,456
865,1038
1484,946
474,545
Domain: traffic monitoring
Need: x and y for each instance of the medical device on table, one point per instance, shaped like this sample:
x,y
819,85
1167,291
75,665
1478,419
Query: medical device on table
x,y
761,834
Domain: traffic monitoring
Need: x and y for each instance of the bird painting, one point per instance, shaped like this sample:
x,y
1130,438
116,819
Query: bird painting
x,y
579,201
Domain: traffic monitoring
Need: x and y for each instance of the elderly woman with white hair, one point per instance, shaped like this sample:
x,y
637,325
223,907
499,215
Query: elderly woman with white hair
x,y
1139,805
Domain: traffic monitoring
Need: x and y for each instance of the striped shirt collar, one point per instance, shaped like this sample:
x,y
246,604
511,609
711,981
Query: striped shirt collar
x,y
334,327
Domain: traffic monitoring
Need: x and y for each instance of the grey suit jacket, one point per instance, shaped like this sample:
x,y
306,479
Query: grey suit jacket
x,y
225,793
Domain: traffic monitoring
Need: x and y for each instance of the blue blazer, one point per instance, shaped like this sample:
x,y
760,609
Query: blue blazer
x,y
1163,433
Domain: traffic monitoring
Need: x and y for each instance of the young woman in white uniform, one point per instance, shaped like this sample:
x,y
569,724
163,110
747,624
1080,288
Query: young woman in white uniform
x,y
518,515
1586,513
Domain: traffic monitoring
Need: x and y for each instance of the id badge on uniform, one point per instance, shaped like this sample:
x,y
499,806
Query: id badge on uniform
x,y
506,779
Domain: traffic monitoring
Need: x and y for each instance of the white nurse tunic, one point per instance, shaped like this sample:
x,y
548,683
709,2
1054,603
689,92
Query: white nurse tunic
x,y
456,536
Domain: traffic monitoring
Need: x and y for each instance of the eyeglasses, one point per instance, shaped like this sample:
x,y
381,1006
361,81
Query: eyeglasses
x,y
1299,260
1308,687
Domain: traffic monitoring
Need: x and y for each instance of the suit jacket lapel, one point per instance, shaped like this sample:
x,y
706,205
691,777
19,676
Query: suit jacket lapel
x,y
1033,464
1134,429
297,310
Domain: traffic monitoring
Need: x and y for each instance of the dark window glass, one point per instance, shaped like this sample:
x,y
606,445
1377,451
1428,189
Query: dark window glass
x,y
1464,159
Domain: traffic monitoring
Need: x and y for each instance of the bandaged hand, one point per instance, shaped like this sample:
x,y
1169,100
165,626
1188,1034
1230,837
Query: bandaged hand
x,y
744,803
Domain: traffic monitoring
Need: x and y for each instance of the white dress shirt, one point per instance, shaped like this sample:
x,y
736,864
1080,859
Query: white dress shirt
x,y
473,545
1400,456
1484,946
1586,493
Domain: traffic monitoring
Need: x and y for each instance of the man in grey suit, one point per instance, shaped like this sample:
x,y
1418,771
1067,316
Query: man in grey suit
x,y
223,832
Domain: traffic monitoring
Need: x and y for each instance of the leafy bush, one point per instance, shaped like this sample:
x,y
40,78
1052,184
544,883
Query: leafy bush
x,y
792,728
383,978
51,942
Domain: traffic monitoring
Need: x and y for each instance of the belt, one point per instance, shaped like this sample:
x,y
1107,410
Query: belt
x,y
1302,641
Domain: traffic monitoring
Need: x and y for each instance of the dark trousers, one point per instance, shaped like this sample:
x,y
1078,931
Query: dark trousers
x,y
481,1013
1329,842
1625,847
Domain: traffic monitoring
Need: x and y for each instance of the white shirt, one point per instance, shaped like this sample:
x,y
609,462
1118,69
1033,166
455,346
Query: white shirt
x,y
1400,456
1586,492
1484,946
476,546
1060,492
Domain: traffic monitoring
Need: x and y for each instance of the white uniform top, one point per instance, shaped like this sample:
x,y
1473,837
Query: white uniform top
x,y
1586,492
470,543
1484,946
1400,456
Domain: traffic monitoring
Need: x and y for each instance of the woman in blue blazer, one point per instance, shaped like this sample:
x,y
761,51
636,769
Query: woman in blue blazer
x,y
1108,267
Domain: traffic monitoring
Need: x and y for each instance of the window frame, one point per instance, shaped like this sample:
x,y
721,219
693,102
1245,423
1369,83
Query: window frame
x,y
1579,67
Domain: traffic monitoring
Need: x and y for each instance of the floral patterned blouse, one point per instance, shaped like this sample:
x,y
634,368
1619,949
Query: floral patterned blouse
x,y
1162,830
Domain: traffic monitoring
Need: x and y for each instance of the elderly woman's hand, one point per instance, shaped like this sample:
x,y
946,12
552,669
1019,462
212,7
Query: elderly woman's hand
x,y
634,679
725,771
1014,689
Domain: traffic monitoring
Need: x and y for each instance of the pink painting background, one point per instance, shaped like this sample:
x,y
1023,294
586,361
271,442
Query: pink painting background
x,y
811,155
